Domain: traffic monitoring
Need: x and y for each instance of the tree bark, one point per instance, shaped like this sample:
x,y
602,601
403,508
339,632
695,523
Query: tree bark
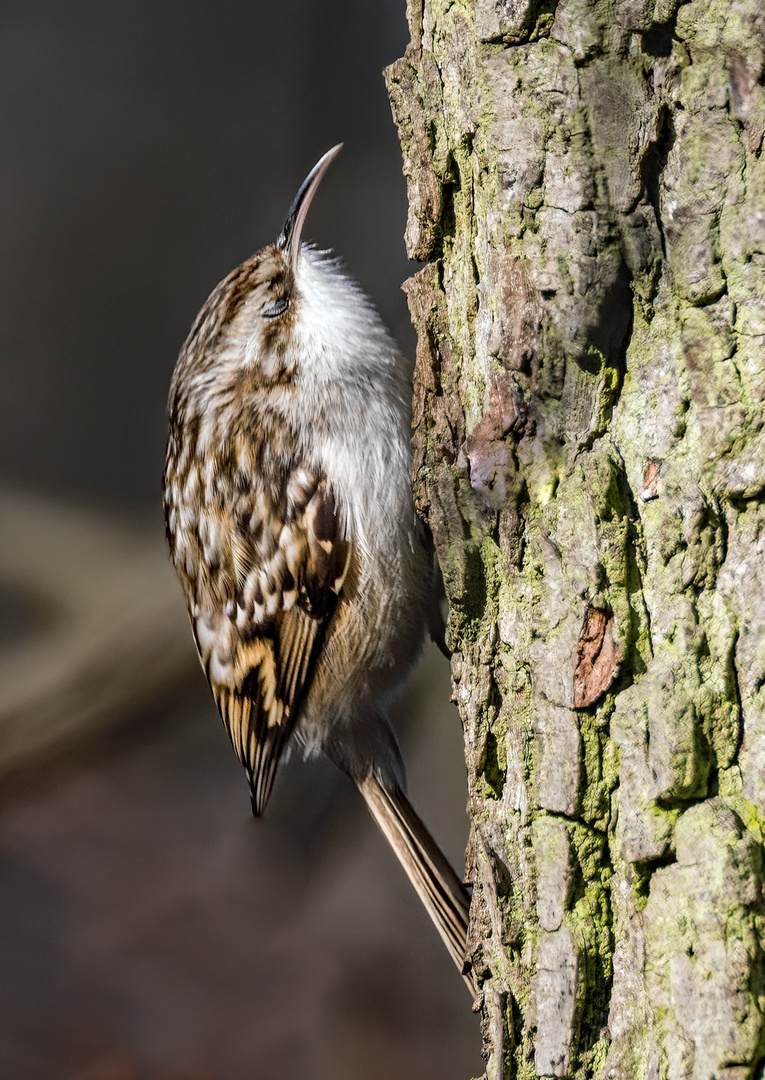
x,y
587,190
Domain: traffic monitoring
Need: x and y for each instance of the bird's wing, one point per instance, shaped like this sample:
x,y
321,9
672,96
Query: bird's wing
x,y
273,592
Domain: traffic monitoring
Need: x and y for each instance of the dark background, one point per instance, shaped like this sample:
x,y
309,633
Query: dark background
x,y
147,148
150,928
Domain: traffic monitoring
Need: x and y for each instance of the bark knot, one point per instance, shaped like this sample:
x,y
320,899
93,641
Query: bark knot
x,y
490,448
597,658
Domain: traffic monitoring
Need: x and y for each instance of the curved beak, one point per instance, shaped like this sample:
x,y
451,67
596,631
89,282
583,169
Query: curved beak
x,y
289,237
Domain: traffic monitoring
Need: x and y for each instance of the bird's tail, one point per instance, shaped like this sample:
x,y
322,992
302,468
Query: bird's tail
x,y
445,898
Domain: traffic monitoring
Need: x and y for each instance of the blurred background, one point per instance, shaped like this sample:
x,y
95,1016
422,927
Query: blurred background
x,y
150,927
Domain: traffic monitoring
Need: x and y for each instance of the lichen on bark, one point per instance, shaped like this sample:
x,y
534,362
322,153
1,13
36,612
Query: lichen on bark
x,y
587,192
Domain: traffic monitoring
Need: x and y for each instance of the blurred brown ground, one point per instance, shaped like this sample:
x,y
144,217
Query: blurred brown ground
x,y
150,928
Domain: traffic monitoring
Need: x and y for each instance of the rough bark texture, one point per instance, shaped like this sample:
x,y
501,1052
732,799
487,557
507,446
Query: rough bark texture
x,y
587,190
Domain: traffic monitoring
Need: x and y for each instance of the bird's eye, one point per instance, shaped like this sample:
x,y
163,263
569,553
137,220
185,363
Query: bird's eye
x,y
277,308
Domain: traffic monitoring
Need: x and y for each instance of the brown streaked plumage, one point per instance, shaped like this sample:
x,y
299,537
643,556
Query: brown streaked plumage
x,y
291,525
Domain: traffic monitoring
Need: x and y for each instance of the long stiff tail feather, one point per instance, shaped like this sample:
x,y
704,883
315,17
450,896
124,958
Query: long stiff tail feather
x,y
442,893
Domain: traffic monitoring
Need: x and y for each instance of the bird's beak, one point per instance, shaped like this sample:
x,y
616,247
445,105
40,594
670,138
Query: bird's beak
x,y
289,238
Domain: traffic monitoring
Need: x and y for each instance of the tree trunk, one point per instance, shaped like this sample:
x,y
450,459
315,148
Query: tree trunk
x,y
587,190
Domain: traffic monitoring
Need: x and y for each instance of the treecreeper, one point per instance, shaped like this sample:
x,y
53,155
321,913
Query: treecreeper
x,y
291,524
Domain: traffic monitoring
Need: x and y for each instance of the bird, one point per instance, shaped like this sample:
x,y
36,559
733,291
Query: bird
x,y
309,580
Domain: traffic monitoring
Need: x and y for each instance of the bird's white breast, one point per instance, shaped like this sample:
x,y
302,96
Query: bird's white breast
x,y
356,390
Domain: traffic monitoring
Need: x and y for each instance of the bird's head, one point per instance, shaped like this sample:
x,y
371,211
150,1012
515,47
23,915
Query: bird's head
x,y
249,318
